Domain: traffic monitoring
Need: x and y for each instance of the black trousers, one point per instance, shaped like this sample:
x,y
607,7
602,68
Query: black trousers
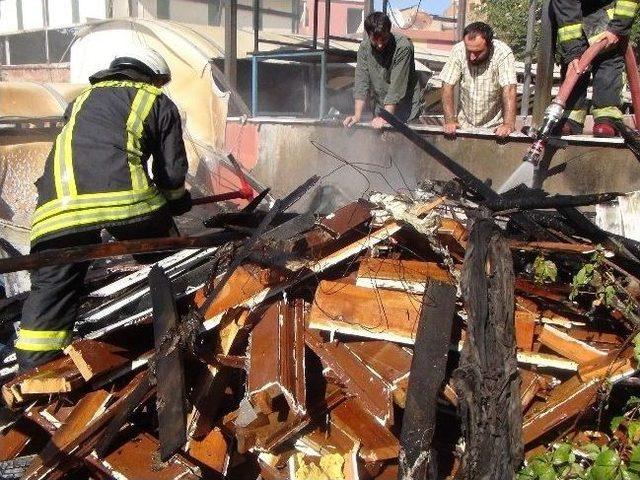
x,y
50,311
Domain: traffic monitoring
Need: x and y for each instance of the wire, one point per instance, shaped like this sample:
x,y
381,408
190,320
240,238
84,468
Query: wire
x,y
415,16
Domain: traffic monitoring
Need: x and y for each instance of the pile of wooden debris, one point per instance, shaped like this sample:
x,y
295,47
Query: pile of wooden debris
x,y
364,344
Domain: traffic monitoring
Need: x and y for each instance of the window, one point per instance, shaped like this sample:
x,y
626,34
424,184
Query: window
x,y
354,18
215,12
162,9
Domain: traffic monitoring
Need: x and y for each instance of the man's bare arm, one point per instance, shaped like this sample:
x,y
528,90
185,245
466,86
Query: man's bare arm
x,y
450,117
508,111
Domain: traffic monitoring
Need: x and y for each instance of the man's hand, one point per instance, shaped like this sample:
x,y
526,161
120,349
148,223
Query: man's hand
x,y
504,130
351,120
181,205
450,128
378,122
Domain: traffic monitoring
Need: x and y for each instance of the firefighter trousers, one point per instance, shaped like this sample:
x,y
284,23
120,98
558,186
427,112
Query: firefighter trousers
x,y
606,70
49,313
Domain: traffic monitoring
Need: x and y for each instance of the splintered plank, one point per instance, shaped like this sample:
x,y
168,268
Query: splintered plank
x,y
88,408
388,360
138,458
525,329
531,384
454,229
53,377
567,346
365,312
347,218
377,442
572,397
171,405
355,376
404,275
276,355
14,440
245,282
427,375
545,360
209,391
213,451
94,358
565,402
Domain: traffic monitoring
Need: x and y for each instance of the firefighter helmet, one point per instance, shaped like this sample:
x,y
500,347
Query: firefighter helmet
x,y
145,60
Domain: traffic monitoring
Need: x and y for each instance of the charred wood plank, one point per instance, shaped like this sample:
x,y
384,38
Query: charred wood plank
x,y
62,256
431,351
94,358
353,374
365,312
531,201
486,380
169,365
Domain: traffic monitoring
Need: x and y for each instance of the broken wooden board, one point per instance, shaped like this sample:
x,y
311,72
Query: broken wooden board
x,y
354,375
88,408
53,377
404,275
353,419
209,391
213,451
15,439
572,397
276,355
386,359
531,384
525,329
546,360
245,282
365,312
138,459
346,218
567,346
94,358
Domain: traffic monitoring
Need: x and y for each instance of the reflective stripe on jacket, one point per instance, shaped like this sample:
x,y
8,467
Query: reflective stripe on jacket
x,y
96,173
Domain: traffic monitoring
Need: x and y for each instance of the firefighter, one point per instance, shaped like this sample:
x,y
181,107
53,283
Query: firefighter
x,y
579,24
96,177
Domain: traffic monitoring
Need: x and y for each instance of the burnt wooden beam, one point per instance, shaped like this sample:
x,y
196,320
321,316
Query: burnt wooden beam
x,y
531,202
62,256
487,381
169,365
425,381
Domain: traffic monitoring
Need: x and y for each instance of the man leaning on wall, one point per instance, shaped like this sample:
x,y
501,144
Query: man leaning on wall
x,y
485,70
385,74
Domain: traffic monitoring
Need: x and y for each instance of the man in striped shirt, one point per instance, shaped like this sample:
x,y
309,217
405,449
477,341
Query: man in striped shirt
x,y
485,69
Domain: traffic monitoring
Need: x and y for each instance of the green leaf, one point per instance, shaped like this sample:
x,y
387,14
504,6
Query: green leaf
x,y
591,450
634,461
615,422
606,466
633,400
609,295
544,271
633,432
562,455
636,354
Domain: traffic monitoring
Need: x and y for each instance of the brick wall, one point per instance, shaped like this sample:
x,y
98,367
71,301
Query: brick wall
x,y
35,73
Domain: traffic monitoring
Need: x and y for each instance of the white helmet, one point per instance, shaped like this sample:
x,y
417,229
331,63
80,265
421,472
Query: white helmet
x,y
145,60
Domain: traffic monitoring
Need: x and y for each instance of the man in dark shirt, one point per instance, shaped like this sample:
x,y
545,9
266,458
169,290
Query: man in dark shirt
x,y
385,71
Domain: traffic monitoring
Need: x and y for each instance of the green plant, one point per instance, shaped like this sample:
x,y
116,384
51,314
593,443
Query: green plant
x,y
544,271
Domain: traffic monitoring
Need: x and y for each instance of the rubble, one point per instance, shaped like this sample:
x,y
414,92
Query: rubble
x,y
360,345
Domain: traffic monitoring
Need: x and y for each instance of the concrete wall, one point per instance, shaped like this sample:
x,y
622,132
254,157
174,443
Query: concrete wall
x,y
286,156
58,73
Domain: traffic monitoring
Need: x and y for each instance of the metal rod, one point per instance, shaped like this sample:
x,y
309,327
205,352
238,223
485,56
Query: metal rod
x,y
315,23
256,25
526,85
254,86
323,85
327,23
231,42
